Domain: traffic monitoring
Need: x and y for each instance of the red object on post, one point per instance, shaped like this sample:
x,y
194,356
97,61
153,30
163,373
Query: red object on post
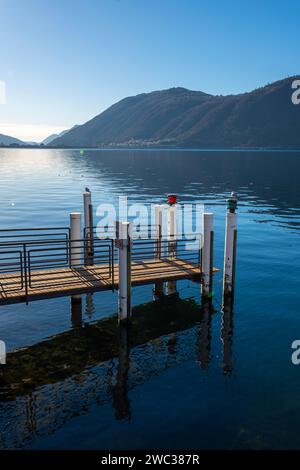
x,y
172,199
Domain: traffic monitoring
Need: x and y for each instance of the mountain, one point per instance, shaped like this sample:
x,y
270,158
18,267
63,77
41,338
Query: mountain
x,y
8,140
52,137
265,117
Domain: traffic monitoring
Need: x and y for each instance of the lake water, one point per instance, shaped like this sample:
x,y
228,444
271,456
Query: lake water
x,y
190,379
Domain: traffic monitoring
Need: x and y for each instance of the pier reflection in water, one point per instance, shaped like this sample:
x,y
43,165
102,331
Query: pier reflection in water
x,y
121,401
204,335
48,384
227,336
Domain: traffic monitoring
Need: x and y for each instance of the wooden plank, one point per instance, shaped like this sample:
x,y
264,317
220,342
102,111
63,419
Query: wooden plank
x,y
68,281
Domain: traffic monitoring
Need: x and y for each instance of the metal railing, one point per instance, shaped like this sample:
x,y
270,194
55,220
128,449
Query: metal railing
x,y
40,258
23,235
51,264
40,264
13,257
12,268
186,250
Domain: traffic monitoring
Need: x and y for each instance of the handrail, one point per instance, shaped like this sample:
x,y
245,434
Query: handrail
x,y
41,263
32,265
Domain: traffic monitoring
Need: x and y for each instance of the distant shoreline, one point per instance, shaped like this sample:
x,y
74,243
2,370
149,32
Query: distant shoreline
x,y
161,149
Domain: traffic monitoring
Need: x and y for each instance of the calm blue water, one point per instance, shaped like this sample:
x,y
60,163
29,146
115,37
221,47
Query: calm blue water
x,y
202,381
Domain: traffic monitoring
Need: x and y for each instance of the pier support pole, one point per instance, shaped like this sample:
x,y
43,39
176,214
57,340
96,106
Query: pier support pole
x,y
88,227
207,254
2,352
75,261
230,249
158,290
124,248
172,235
89,306
75,239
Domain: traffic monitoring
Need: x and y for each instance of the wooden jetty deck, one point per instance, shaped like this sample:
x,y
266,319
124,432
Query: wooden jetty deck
x,y
71,281
44,262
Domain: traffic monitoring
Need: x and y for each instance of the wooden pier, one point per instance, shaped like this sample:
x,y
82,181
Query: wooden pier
x,y
71,281
42,263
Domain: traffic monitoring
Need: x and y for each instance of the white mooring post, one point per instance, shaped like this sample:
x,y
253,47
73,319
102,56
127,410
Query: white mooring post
x,y
158,290
172,235
230,248
124,248
75,260
158,228
75,239
207,253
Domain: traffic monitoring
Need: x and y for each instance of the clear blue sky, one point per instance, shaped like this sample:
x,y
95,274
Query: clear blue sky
x,y
64,61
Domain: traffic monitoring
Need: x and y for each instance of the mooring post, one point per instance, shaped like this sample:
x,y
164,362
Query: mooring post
x,y
87,201
75,260
158,227
88,227
124,248
158,290
207,253
172,235
230,248
75,239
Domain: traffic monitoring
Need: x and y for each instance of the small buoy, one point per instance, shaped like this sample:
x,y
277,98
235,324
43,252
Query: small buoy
x,y
172,199
81,152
